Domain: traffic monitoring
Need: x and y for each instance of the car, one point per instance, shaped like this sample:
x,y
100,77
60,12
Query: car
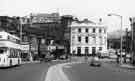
x,y
63,57
103,54
95,62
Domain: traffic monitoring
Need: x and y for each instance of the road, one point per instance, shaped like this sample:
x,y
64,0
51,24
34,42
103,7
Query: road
x,y
26,72
107,72
74,72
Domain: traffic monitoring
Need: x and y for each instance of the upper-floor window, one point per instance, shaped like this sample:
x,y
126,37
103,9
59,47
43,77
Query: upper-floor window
x,y
100,40
94,30
100,30
100,48
86,30
79,30
79,39
104,31
86,39
94,39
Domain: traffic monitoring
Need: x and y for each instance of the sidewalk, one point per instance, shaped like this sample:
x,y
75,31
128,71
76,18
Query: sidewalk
x,y
79,59
82,59
27,62
127,66
108,60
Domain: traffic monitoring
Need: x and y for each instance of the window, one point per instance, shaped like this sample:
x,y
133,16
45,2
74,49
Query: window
x,y
93,50
86,39
78,50
94,39
86,30
79,39
79,30
94,30
104,31
86,50
100,48
100,40
3,50
0,36
100,30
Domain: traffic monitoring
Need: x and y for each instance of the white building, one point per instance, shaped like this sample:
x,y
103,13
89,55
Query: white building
x,y
88,38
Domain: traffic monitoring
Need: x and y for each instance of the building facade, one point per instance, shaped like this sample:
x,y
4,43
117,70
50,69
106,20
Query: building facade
x,y
87,38
45,18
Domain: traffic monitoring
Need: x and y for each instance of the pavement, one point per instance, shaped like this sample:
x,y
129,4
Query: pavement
x,y
82,59
27,62
127,66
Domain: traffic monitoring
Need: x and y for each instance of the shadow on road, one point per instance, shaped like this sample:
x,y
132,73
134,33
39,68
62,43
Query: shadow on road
x,y
9,67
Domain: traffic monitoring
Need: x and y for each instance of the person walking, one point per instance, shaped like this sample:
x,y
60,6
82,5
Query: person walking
x,y
118,56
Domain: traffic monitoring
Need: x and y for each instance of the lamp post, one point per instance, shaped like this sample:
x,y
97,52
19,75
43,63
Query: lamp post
x,y
132,39
121,38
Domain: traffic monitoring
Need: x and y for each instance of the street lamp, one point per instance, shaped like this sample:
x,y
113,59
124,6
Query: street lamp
x,y
121,38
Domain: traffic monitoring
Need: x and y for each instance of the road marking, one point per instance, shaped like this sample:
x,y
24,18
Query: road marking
x,y
55,72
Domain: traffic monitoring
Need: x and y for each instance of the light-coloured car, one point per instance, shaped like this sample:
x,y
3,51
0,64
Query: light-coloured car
x,y
103,54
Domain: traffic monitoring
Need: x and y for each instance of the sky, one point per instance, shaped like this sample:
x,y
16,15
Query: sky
x,y
91,9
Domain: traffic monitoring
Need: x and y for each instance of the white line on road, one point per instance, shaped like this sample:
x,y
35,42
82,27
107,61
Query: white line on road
x,y
55,72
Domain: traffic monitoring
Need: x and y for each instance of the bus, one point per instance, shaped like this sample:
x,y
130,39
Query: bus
x,y
10,50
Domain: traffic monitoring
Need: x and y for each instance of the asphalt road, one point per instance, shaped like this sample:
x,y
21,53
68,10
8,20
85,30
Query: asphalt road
x,y
107,72
26,72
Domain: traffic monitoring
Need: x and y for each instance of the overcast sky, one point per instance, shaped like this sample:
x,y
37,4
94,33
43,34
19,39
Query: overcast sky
x,y
92,9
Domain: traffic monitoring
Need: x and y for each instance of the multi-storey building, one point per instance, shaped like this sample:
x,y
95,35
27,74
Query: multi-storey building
x,y
87,38
45,18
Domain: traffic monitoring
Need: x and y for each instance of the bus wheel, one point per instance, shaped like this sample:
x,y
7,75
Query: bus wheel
x,y
10,63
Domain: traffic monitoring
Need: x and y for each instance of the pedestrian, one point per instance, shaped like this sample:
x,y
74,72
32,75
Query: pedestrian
x,y
117,59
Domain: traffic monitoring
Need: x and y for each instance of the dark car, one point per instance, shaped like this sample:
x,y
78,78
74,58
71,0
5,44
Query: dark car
x,y
95,62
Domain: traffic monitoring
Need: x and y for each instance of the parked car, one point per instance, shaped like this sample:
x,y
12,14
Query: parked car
x,y
103,54
95,62
47,58
113,56
63,57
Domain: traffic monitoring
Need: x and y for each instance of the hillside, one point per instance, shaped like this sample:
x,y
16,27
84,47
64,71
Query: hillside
x,y
115,34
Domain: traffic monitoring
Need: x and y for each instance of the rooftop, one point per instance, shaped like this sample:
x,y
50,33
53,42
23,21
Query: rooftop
x,y
86,24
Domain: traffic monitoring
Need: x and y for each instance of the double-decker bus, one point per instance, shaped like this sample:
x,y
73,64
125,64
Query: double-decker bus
x,y
10,50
